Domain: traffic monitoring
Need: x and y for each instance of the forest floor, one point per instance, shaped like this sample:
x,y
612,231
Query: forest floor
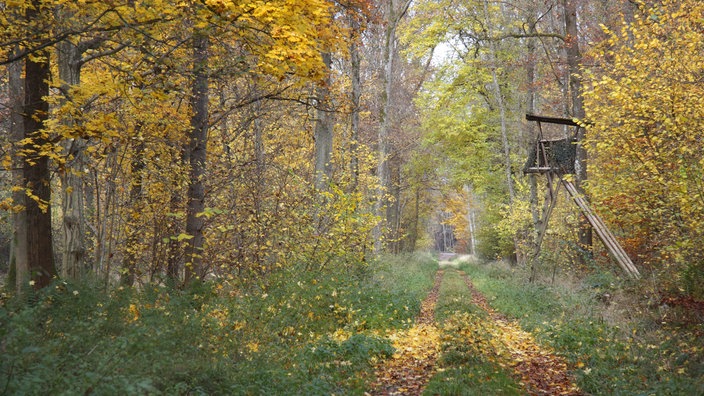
x,y
536,368
406,325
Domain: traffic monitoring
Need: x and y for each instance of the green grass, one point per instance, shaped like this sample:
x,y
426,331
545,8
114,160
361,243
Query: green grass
x,y
315,333
480,379
618,349
296,332
454,297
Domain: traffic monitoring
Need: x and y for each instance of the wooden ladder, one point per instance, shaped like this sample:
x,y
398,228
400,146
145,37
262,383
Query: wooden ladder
x,y
604,233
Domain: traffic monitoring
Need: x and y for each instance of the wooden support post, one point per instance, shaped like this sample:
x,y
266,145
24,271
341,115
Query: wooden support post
x,y
551,197
603,232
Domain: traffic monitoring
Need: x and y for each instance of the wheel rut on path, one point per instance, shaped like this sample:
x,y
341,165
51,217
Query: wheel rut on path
x,y
411,367
539,370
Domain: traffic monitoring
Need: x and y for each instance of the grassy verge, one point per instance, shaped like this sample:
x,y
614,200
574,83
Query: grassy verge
x,y
618,346
454,298
468,363
297,333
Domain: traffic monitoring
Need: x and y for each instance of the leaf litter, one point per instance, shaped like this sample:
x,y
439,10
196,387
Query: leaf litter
x,y
407,372
417,348
541,371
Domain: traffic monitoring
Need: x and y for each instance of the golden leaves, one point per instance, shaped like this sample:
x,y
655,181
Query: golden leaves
x,y
133,313
646,105
412,364
417,349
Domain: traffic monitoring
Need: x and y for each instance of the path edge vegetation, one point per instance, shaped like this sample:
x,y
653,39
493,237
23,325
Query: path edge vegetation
x,y
615,339
314,333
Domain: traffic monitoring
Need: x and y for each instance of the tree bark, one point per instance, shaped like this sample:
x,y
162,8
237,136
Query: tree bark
x,y
323,131
195,221
393,208
40,247
18,260
74,250
574,57
504,130
356,96
470,220
413,231
502,111
130,262
531,107
173,247
393,16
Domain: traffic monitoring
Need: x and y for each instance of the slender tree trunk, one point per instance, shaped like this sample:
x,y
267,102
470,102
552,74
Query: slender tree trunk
x,y
323,131
131,260
107,218
413,234
393,208
470,219
355,99
90,213
574,57
195,221
259,149
473,230
531,133
173,228
18,260
40,247
504,130
502,111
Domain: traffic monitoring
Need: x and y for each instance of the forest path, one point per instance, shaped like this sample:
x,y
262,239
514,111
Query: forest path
x,y
541,372
411,367
409,370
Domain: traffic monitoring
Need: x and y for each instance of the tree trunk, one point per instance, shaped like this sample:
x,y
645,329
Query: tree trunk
x,y
504,130
73,256
18,254
323,131
574,58
40,247
413,231
383,171
470,220
106,218
473,230
531,108
259,148
355,99
393,208
173,228
195,221
502,111
131,260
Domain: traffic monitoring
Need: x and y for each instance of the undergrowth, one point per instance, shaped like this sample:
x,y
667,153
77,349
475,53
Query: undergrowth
x,y
297,332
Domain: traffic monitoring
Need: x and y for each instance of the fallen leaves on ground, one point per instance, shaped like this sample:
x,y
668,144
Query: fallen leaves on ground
x,y
417,348
496,338
541,371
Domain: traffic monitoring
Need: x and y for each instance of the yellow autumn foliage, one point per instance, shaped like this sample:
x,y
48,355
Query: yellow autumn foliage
x,y
645,108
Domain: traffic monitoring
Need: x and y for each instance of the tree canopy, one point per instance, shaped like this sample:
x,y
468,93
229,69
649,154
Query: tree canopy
x,y
150,140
